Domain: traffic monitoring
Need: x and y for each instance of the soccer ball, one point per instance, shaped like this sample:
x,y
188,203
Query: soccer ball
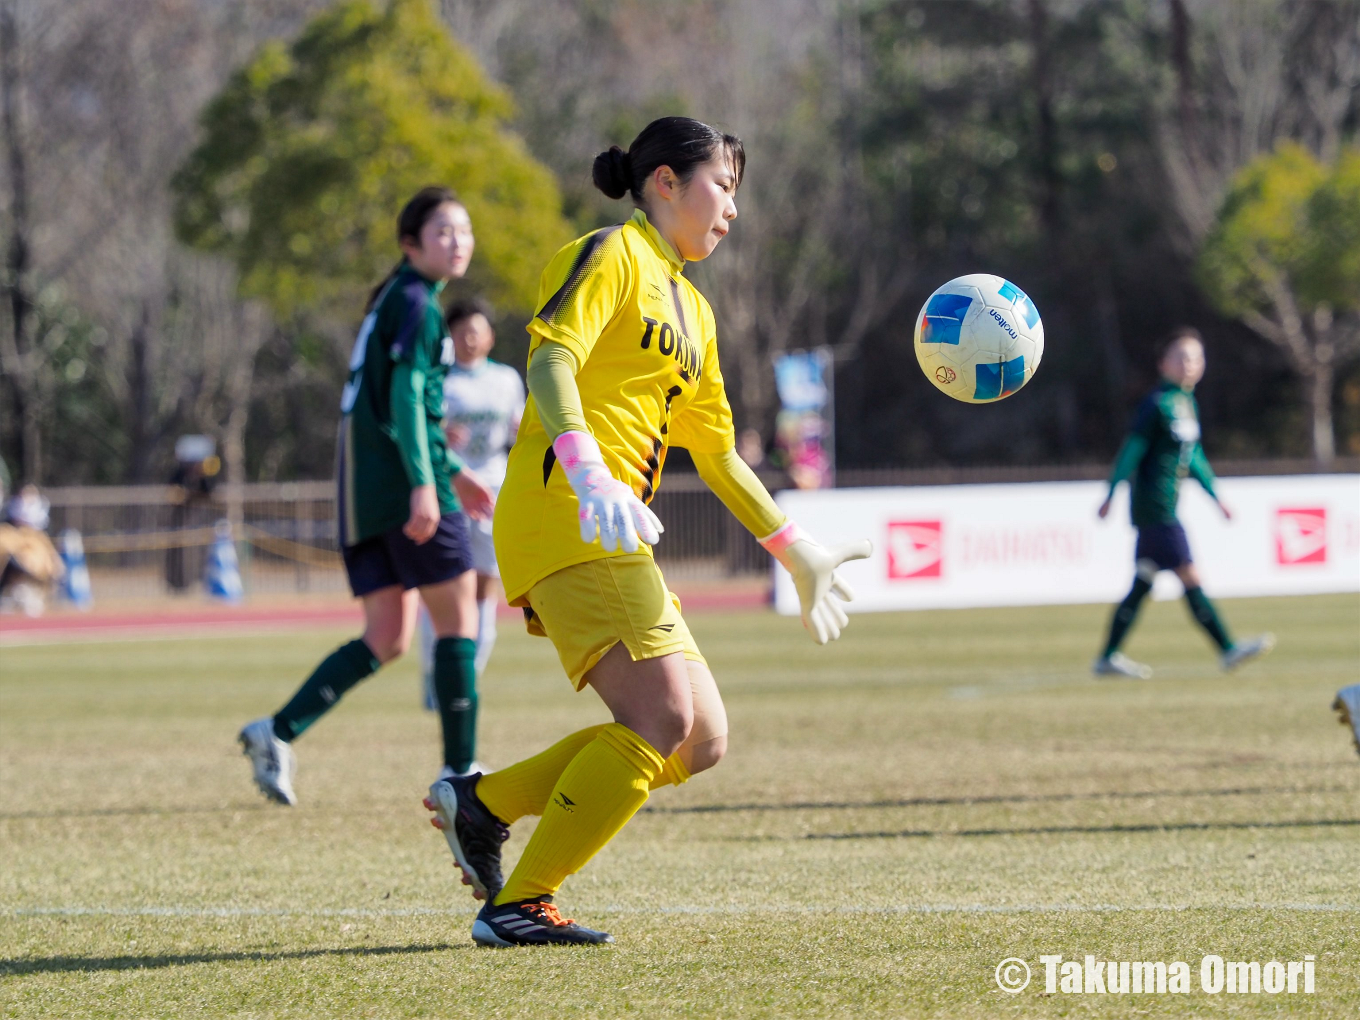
x,y
979,338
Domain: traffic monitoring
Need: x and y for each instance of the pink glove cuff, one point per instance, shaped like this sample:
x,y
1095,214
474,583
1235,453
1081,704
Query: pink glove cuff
x,y
777,543
575,449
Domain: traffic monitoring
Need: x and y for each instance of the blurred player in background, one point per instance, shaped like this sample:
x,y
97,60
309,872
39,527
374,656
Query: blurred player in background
x,y
1347,706
400,526
483,402
623,362
1162,448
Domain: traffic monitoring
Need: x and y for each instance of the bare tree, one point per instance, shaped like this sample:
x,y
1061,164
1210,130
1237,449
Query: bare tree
x,y
22,359
99,101
1247,75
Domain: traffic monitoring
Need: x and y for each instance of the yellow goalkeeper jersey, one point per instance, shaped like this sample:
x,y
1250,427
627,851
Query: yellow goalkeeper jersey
x,y
647,347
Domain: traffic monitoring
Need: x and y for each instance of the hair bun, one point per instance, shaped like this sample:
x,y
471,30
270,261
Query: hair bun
x,y
613,172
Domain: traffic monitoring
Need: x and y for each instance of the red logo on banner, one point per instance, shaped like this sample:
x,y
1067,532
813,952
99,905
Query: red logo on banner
x,y
914,549
1300,536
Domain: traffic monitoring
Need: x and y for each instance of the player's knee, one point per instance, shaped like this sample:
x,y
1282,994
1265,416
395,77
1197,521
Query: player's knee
x,y
387,645
706,755
674,727
669,726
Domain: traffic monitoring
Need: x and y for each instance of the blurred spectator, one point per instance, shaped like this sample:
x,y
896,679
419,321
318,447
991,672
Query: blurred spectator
x,y
29,562
195,477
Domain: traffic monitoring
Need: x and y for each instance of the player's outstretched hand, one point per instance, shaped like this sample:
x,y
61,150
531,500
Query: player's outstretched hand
x,y
479,502
813,569
608,507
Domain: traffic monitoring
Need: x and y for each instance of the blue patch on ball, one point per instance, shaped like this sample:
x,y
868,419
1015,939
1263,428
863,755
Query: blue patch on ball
x,y
944,318
999,380
1021,302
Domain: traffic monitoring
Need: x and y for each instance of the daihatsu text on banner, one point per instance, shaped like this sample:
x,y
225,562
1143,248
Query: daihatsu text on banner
x,y
1041,543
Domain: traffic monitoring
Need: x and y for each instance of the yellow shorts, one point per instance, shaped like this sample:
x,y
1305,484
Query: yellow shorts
x,y
588,608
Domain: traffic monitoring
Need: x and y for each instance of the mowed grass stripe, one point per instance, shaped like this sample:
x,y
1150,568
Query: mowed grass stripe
x,y
701,809
698,909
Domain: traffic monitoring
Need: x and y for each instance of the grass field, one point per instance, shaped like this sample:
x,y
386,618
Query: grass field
x,y
898,813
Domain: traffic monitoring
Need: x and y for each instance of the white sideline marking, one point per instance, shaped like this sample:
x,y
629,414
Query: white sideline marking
x,y
928,908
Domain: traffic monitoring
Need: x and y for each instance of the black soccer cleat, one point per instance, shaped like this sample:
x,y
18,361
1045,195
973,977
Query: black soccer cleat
x,y
473,833
532,923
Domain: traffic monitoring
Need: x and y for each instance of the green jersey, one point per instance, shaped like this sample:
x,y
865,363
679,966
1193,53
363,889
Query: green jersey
x,y
392,429
1162,448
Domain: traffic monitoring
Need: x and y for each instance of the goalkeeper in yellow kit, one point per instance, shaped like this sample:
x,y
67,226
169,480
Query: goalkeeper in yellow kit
x,y
623,363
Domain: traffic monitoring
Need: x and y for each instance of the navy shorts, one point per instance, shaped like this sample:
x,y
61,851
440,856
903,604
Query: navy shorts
x,y
1163,544
392,558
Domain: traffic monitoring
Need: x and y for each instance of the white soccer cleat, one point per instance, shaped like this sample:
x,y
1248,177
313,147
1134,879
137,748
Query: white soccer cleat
x,y
1347,706
1251,648
475,768
272,760
1119,664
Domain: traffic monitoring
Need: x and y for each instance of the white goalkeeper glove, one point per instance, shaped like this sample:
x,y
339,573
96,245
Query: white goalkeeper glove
x,y
813,569
607,505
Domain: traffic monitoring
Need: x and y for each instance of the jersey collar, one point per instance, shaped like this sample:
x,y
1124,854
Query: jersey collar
x,y
435,285
663,248
1167,384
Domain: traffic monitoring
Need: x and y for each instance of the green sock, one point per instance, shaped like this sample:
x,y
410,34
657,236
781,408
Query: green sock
x,y
1207,617
455,688
1126,614
338,672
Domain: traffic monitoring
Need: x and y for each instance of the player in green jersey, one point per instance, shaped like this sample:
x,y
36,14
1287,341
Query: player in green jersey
x,y
401,528
1162,448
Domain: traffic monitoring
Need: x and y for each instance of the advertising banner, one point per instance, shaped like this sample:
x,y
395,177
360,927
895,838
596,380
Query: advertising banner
x,y
1041,543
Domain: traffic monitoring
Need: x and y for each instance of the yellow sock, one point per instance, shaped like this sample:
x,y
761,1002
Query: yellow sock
x,y
524,788
673,773
597,793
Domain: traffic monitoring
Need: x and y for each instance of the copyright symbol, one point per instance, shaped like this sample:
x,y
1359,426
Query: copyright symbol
x,y
1012,975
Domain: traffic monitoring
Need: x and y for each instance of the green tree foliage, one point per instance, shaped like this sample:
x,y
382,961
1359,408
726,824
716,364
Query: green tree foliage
x,y
310,150
1262,239
1284,257
1333,269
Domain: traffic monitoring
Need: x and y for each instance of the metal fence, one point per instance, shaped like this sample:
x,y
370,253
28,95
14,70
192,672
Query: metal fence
x,y
146,541
143,541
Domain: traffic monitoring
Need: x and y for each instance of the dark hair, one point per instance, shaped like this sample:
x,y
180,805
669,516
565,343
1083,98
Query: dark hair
x,y
466,309
417,212
1176,336
410,222
681,143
